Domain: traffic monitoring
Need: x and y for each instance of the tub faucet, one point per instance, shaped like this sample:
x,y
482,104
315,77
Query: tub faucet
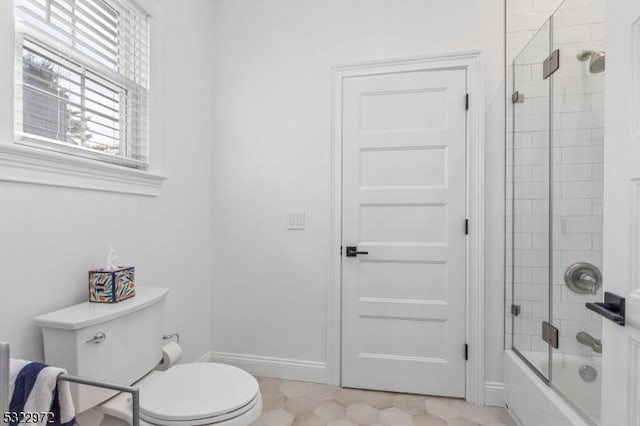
x,y
588,340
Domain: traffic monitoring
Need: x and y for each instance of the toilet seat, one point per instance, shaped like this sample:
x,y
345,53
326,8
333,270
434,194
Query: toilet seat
x,y
197,394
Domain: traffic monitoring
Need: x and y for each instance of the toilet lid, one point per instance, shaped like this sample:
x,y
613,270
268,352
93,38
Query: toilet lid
x,y
196,391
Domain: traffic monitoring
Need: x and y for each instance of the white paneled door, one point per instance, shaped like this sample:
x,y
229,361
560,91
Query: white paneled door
x,y
404,203
621,274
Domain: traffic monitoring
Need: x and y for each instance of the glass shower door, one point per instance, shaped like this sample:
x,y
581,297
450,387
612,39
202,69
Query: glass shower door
x,y
577,174
529,178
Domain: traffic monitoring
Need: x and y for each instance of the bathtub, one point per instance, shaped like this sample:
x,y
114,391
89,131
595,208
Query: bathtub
x,y
533,403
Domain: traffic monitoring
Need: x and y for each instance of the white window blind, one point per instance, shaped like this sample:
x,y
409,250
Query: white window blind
x,y
82,78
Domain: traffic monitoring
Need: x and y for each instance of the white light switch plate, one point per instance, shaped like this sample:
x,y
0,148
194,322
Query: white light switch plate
x,y
295,220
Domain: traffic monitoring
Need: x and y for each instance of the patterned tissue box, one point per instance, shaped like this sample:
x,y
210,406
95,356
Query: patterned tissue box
x,y
111,286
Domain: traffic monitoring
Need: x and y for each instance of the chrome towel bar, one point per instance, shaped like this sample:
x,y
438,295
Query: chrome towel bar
x,y
134,391
4,385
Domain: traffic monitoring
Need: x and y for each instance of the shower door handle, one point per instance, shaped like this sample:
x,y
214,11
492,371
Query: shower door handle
x,y
612,309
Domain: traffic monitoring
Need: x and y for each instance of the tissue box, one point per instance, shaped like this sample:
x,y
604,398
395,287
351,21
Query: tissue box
x,y
111,286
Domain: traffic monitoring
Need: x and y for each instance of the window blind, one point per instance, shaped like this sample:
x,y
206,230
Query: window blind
x,y
82,77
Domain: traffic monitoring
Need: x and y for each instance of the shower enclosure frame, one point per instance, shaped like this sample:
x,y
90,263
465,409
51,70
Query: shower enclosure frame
x,y
544,370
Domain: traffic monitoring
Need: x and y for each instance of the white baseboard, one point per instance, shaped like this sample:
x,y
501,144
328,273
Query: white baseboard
x,y
280,368
204,358
494,394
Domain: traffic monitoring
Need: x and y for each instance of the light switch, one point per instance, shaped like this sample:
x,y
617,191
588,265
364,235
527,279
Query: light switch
x,y
295,220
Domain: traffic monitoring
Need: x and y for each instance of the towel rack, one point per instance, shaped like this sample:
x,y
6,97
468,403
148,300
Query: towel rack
x,y
4,385
134,391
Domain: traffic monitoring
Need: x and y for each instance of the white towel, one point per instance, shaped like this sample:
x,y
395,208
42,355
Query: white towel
x,y
35,389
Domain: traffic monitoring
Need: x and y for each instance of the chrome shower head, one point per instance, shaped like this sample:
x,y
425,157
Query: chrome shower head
x,y
596,60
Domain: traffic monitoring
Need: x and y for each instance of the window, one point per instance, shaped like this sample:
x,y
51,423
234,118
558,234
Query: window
x,y
82,78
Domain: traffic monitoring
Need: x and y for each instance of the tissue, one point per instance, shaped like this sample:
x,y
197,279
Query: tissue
x,y
112,256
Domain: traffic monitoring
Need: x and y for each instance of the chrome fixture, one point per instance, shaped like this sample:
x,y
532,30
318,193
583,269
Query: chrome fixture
x,y
134,391
588,373
583,278
98,338
588,340
175,336
596,60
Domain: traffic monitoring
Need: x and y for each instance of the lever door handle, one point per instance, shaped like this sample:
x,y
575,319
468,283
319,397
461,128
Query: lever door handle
x,y
612,309
352,251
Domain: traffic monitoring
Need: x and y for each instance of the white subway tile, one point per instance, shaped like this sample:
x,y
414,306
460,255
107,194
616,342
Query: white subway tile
x,y
531,258
598,31
583,15
521,241
546,5
597,242
523,207
583,154
572,137
572,241
572,172
540,173
578,120
575,3
522,275
570,311
593,257
541,275
532,190
572,103
532,292
582,189
540,207
575,207
540,309
597,206
578,85
539,241
583,224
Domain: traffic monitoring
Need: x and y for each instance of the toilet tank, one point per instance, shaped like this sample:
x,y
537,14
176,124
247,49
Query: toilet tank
x,y
131,348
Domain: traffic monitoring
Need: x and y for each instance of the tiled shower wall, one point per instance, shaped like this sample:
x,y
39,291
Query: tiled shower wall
x,y
577,162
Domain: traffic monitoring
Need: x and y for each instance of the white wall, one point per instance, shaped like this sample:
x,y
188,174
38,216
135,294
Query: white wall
x,y
245,83
272,123
50,237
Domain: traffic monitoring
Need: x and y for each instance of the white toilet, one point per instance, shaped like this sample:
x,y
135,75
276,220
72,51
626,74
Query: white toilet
x,y
122,343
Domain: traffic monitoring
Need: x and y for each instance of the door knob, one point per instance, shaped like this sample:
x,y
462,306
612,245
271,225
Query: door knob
x,y
352,251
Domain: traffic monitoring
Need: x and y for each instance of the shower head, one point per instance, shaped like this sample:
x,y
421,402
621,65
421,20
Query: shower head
x,y
596,60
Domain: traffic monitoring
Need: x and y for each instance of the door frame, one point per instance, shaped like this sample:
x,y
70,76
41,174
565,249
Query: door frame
x,y
471,61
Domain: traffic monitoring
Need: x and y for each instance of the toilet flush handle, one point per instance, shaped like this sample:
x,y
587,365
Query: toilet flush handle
x,y
98,338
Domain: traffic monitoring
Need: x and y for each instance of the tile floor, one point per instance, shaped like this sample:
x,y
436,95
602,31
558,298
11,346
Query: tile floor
x,y
289,403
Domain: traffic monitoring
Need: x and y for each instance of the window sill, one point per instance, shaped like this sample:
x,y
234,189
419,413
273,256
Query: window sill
x,y
41,167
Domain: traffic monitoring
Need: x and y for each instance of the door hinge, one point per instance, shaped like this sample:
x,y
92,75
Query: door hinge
x,y
340,250
550,334
551,64
466,352
466,227
515,310
466,102
517,97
